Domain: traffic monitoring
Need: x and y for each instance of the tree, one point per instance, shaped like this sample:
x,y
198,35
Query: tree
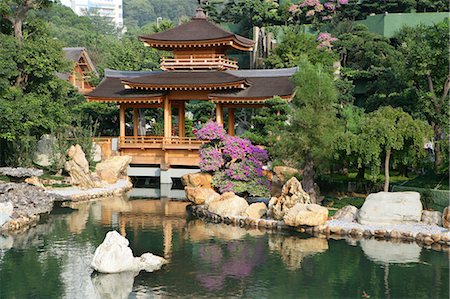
x,y
426,50
383,134
294,47
313,125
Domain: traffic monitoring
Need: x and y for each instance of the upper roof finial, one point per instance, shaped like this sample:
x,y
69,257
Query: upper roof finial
x,y
200,13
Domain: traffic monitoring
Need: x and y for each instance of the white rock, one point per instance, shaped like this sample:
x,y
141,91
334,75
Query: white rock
x,y
386,252
6,209
432,217
114,256
229,204
347,213
45,151
391,208
96,152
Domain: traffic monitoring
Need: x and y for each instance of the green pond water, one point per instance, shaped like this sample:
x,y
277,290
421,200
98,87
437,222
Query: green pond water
x,y
207,260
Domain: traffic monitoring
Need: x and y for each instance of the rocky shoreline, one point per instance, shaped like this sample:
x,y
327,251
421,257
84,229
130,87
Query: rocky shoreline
x,y
428,236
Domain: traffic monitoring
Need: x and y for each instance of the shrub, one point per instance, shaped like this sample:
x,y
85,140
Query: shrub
x,y
236,164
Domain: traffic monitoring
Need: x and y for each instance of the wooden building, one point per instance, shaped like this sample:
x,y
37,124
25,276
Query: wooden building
x,y
198,70
82,71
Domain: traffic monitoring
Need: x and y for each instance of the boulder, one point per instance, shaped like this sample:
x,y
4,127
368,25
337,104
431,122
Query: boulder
x,y
446,218
200,196
432,217
391,208
35,182
291,194
306,214
256,210
347,213
114,256
199,179
6,210
96,152
228,204
45,151
78,168
112,169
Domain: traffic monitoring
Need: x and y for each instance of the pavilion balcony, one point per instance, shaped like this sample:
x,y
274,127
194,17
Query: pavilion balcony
x,y
159,142
199,62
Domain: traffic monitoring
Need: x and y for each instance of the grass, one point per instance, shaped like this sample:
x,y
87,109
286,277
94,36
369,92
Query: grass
x,y
48,176
4,179
57,185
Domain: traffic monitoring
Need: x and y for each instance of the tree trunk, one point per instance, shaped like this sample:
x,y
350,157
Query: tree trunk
x,y
18,33
361,172
308,183
437,128
386,170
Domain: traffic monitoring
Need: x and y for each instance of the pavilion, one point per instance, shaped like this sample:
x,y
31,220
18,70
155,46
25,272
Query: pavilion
x,y
199,70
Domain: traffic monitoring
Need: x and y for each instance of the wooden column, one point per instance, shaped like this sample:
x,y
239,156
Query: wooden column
x,y
135,122
167,118
122,121
231,121
181,120
219,114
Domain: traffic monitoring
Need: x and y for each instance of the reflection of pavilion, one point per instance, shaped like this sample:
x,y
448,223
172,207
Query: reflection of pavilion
x,y
145,214
198,71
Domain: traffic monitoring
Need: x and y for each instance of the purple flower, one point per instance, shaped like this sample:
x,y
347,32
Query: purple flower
x,y
211,131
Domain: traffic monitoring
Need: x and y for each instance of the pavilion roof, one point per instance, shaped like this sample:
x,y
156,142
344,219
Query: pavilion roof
x,y
184,80
199,32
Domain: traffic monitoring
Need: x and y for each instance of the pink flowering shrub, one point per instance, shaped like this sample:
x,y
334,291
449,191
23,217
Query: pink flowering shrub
x,y
314,11
236,164
325,40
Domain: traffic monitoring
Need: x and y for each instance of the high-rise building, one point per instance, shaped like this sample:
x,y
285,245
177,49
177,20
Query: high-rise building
x,y
112,9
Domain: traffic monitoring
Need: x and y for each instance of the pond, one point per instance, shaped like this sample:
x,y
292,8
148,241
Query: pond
x,y
207,260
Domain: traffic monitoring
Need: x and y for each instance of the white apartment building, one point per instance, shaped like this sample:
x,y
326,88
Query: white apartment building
x,y
112,9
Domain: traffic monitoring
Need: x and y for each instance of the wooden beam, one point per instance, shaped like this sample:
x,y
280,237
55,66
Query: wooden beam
x,y
167,118
181,119
231,121
219,114
135,122
122,120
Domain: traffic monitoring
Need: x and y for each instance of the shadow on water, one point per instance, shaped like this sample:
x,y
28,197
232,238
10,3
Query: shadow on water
x,y
207,260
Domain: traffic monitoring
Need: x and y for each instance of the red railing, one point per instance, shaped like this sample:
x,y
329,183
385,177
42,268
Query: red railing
x,y
199,62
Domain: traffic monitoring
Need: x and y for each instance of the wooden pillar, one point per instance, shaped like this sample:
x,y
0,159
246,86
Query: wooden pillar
x,y
135,122
167,118
122,121
231,121
219,114
181,119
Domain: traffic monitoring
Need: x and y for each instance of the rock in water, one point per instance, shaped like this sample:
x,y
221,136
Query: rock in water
x,y
446,218
199,179
291,194
200,195
229,204
347,213
432,217
112,169
78,168
391,208
114,256
306,214
6,210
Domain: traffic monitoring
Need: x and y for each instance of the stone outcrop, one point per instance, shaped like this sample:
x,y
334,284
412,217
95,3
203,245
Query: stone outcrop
x,y
228,204
199,179
45,151
200,195
114,256
20,174
78,168
256,210
113,169
306,214
432,217
279,177
291,194
347,213
96,152
35,182
446,217
28,203
391,208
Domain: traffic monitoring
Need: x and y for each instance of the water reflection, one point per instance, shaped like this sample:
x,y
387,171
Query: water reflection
x,y
294,249
206,260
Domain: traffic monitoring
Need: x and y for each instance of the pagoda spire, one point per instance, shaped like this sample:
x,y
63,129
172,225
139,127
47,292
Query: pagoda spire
x,y
200,14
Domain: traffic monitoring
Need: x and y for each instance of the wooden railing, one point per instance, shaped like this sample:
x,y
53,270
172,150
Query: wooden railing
x,y
199,62
159,142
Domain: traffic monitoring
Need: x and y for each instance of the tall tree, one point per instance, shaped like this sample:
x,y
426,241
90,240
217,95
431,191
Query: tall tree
x,y
313,124
426,50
